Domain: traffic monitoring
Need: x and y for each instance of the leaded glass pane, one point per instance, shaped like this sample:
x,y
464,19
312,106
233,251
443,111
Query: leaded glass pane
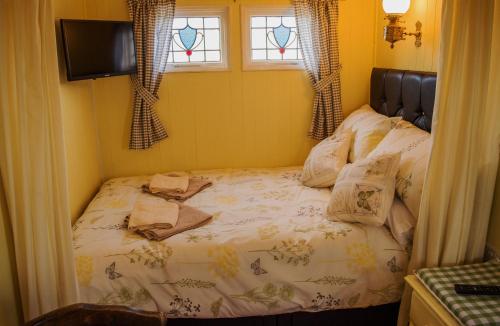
x,y
212,56
290,54
258,22
179,57
289,21
274,38
188,37
212,39
196,39
258,38
259,54
212,22
197,56
274,55
273,21
195,22
179,23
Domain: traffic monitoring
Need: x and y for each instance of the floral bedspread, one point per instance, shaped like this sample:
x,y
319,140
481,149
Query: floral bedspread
x,y
268,250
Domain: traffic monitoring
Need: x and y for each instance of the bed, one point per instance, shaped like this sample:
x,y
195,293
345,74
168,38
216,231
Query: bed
x,y
267,251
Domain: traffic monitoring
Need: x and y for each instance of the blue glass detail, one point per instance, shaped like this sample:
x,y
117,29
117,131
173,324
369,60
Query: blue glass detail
x,y
282,35
188,36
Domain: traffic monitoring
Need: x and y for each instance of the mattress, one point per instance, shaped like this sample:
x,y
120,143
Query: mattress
x,y
268,250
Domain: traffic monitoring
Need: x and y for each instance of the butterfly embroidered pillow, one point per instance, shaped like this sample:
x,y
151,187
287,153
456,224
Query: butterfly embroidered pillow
x,y
326,160
364,190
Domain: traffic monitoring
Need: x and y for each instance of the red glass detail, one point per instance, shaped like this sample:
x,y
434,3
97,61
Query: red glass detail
x,y
282,50
189,52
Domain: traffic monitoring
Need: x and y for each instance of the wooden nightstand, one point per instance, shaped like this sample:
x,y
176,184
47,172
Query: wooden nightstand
x,y
425,309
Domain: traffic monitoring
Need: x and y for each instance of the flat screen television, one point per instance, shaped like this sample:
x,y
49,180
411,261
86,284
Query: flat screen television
x,y
97,48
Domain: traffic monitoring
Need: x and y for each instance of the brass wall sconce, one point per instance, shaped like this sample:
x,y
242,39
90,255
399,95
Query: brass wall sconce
x,y
395,31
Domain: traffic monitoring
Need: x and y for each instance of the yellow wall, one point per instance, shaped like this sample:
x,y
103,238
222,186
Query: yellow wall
x,y
405,55
228,119
80,133
233,118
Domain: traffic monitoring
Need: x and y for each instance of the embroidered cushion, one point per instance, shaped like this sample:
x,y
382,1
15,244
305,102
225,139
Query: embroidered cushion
x,y
326,160
401,223
369,128
414,144
364,190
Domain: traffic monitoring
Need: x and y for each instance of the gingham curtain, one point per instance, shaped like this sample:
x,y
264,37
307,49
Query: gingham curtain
x,y
317,22
153,21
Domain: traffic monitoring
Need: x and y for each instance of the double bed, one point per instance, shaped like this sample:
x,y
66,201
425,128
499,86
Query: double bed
x,y
268,250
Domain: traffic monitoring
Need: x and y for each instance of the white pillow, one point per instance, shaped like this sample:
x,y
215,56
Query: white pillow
x,y
369,128
414,144
401,223
326,160
364,190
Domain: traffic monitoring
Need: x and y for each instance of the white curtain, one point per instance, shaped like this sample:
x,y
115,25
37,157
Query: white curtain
x,y
458,191
32,158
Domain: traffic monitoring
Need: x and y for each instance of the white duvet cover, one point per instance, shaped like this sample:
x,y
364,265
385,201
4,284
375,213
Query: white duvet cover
x,y
268,250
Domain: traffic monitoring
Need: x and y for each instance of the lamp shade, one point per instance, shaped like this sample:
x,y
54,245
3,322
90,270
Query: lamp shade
x,y
396,6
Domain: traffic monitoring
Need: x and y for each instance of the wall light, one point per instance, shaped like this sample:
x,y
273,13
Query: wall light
x,y
395,31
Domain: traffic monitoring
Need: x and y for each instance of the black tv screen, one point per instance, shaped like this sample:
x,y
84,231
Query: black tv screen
x,y
96,48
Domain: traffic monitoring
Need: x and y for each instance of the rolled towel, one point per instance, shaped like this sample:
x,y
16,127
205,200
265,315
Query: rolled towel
x,y
150,211
196,184
169,183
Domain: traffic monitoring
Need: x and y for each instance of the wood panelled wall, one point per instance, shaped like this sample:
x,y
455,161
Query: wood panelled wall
x,y
405,55
79,123
232,118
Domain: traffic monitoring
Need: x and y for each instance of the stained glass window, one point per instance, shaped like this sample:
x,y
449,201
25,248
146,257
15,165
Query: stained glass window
x,y
196,40
274,38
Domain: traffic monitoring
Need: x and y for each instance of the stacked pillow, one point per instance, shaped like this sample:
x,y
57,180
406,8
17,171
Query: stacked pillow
x,y
388,155
364,190
401,223
356,137
369,128
414,145
326,160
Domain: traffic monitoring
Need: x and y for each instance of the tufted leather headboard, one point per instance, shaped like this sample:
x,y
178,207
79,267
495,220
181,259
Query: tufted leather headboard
x,y
409,94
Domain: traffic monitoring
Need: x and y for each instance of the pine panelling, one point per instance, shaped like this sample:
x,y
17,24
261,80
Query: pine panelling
x,y
79,124
405,55
356,46
231,118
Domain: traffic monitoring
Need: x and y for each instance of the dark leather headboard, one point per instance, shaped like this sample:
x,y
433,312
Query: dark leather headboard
x,y
409,94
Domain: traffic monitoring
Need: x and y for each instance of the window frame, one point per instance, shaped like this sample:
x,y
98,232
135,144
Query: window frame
x,y
247,11
203,11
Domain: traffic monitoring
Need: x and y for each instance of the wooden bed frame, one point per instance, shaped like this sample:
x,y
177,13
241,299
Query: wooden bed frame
x,y
83,314
384,315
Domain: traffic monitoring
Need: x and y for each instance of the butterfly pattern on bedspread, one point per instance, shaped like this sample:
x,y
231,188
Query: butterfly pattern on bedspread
x,y
257,269
110,271
272,254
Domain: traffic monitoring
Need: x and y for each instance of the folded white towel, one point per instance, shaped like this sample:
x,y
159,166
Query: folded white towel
x,y
153,211
168,183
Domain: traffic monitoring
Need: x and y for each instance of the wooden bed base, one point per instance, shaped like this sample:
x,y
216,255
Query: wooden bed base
x,y
384,315
82,314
